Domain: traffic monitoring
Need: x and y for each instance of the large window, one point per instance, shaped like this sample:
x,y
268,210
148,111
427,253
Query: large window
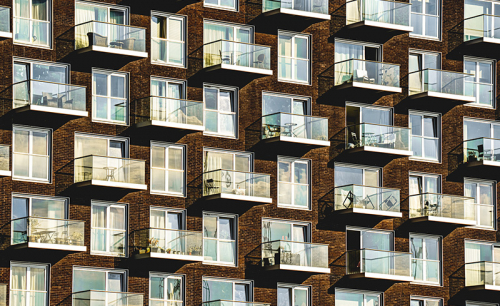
x,y
291,295
110,96
294,182
426,18
109,229
274,230
32,22
168,39
425,301
349,49
88,144
294,56
215,289
32,153
484,76
347,174
168,168
365,238
357,298
222,4
221,111
273,103
424,183
483,193
219,238
108,280
426,258
425,136
166,289
29,285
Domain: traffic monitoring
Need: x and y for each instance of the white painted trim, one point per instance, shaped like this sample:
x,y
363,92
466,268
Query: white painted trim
x,y
322,143
396,278
385,150
241,68
376,24
355,210
299,268
6,34
54,110
174,256
370,86
113,184
440,95
444,220
228,196
53,246
114,51
172,125
5,173
299,13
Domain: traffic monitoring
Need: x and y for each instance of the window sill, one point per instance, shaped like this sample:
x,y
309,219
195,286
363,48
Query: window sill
x,y
162,193
30,180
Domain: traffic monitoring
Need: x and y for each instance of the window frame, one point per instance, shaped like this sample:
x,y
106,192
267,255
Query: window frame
x,y
108,6
28,266
234,219
234,281
306,99
108,205
225,8
423,14
425,299
362,106
294,287
364,44
107,271
293,56
166,146
166,210
166,276
126,100
493,64
425,260
124,140
439,127
292,161
50,14
423,176
493,184
292,223
363,292
235,91
363,168
360,230
167,17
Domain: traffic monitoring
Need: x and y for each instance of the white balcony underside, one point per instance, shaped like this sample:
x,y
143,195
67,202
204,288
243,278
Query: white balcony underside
x,y
174,125
396,278
299,13
236,197
298,268
313,142
113,184
440,95
52,246
240,68
5,173
354,210
375,87
384,150
171,256
444,220
376,24
54,110
5,34
125,52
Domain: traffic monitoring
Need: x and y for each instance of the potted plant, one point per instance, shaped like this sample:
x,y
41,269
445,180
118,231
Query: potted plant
x,y
168,251
153,244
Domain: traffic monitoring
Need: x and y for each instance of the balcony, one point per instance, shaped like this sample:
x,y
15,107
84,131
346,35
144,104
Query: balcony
x,y
295,256
169,244
121,41
105,298
483,276
377,20
178,116
380,265
47,233
377,201
103,171
442,208
3,294
49,97
440,87
5,31
232,303
5,160
478,36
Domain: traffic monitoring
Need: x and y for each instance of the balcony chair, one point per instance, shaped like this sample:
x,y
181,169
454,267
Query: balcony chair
x,y
431,208
271,131
362,76
355,142
97,39
225,59
210,187
260,61
390,202
388,140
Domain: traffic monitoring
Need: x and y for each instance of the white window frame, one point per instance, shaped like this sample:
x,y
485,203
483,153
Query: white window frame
x,y
292,162
235,27
124,140
493,64
234,281
362,230
305,99
250,156
126,93
235,91
363,292
167,17
234,219
426,299
490,244
101,270
168,81
30,155
107,229
294,58
166,276
28,266
166,146
294,287
221,7
439,138
364,168
31,21
423,176
362,107
424,260
493,184
423,16
292,223
108,7
166,210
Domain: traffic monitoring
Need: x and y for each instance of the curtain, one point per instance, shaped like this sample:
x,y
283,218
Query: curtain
x,y
213,32
83,13
175,109
473,271
344,68
353,12
18,278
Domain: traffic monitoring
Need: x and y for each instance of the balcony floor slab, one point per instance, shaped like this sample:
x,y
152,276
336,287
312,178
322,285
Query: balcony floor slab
x,y
52,246
157,255
373,31
285,267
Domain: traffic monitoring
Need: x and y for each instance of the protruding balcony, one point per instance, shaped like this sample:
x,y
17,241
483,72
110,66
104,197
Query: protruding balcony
x,y
477,36
377,201
114,172
5,160
106,298
295,256
5,31
47,233
100,38
380,265
377,20
441,87
292,131
236,186
3,294
50,97
232,303
169,244
482,276
442,208
478,157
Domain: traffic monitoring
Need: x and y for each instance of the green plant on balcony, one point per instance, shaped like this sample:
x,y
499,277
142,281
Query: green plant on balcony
x,y
153,244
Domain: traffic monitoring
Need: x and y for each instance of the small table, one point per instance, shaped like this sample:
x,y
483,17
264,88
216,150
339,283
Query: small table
x,y
289,128
369,138
46,236
110,173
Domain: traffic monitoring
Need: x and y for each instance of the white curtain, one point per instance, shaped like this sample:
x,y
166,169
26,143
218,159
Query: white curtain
x,y
213,32
353,11
83,13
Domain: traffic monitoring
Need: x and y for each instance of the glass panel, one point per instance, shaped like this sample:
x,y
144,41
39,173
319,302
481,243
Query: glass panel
x,y
88,280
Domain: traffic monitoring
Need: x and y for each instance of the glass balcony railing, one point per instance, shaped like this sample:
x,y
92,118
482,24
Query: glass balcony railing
x,y
49,94
5,19
109,169
378,136
443,206
239,183
318,6
295,126
391,12
237,54
369,72
482,273
3,294
168,110
4,158
482,149
32,31
167,241
487,26
300,254
440,81
167,51
232,303
110,35
388,263
366,197
105,298
49,231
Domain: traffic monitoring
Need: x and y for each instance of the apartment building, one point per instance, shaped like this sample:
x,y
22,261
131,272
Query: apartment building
x,y
249,152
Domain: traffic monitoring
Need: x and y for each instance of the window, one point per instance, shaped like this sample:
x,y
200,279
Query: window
x,y
214,159
291,295
363,238
484,196
221,111
29,285
424,183
219,238
274,230
168,39
214,31
32,153
109,229
227,290
356,114
110,96
426,259
423,301
483,71
425,136
426,18
32,22
44,71
348,174
168,168
294,182
166,289
101,146
474,8
273,103
294,55
223,4
357,298
167,218
108,280
420,61
348,49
